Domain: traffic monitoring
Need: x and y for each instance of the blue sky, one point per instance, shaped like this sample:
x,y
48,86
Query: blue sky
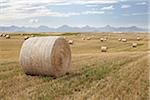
x,y
54,13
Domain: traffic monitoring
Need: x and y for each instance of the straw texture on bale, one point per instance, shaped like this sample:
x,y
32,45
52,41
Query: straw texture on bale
x,y
49,56
103,49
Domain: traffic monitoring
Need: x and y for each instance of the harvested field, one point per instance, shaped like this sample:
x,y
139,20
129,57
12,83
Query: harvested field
x,y
121,73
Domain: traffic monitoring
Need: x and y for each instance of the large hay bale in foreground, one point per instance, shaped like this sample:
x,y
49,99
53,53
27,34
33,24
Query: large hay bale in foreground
x,y
49,56
104,49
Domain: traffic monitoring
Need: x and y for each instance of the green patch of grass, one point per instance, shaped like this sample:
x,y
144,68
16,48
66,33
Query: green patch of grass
x,y
63,34
46,78
68,34
40,34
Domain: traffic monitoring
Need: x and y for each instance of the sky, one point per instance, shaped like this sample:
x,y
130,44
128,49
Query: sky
x,y
78,13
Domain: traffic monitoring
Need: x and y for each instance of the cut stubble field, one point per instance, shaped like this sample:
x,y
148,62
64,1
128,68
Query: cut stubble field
x,y
121,73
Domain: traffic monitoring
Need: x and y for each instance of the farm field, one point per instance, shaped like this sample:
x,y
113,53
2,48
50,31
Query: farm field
x,y
121,73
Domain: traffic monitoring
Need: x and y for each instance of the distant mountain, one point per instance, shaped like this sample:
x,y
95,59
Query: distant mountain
x,y
66,28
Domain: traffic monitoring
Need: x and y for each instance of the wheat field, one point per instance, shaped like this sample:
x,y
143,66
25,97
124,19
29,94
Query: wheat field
x,y
121,73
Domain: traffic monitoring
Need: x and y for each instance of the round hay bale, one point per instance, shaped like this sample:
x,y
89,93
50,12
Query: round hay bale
x,y
104,49
7,36
119,39
26,37
83,38
101,39
138,38
88,38
4,35
1,35
70,41
50,56
124,40
32,35
134,45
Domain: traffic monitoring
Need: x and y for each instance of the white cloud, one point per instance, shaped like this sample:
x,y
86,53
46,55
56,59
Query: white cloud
x,y
141,3
91,5
99,1
125,6
108,8
93,12
20,9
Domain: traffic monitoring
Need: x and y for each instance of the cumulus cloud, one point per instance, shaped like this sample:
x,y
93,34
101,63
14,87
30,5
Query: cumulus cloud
x,y
108,8
125,6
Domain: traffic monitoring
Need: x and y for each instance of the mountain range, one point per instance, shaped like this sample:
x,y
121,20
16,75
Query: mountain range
x,y
66,28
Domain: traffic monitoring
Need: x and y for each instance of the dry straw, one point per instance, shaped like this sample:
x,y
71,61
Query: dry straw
x,y
45,56
83,38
